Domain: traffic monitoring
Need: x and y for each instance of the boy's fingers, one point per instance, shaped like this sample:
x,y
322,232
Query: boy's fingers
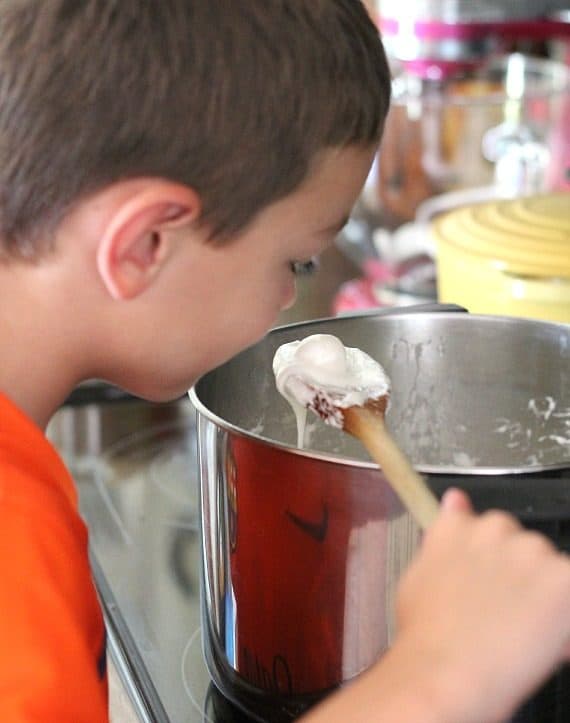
x,y
455,500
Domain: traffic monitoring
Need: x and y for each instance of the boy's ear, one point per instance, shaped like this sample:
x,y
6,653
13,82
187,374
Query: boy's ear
x,y
136,243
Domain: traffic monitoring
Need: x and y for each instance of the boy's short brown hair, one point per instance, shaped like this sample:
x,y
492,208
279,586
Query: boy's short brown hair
x,y
231,97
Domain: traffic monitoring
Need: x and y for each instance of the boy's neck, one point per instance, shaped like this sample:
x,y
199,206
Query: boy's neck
x,y
38,397
40,350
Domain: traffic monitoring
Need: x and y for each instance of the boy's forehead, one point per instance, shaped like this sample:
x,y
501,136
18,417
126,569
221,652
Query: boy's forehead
x,y
332,186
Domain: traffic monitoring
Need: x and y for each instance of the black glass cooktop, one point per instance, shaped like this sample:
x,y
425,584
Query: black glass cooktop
x,y
136,470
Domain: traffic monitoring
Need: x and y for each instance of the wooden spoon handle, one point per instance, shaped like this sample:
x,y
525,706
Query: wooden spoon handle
x,y
410,487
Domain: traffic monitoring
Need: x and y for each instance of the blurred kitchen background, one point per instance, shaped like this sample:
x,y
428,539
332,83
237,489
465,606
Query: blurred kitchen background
x,y
480,114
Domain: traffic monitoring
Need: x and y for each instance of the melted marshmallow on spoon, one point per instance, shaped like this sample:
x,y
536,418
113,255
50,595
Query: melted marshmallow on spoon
x,y
350,391
321,374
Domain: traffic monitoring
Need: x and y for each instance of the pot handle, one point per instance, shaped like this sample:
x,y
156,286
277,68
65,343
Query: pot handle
x,y
533,497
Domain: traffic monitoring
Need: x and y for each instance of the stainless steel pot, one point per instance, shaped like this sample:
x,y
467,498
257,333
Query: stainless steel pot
x,y
302,549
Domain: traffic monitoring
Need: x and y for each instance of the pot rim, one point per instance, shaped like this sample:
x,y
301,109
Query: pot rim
x,y
317,455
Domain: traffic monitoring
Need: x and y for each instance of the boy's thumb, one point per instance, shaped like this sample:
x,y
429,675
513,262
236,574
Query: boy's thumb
x,y
455,500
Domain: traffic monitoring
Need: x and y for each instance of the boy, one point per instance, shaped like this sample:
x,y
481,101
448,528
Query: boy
x,y
164,166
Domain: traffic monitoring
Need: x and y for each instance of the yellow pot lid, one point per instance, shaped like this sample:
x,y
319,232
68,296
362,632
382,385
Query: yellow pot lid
x,y
529,236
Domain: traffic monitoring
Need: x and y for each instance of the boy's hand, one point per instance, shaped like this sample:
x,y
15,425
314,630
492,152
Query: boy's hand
x,y
487,604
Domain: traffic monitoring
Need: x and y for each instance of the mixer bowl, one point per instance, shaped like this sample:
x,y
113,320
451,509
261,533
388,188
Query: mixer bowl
x,y
302,549
503,126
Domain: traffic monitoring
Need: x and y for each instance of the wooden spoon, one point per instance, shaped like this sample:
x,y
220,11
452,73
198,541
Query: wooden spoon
x,y
367,424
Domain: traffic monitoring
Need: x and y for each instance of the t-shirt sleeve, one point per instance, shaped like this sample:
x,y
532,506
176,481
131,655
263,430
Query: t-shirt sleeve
x,y
52,638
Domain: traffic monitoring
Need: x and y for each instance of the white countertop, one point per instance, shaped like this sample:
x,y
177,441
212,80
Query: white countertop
x,y
120,707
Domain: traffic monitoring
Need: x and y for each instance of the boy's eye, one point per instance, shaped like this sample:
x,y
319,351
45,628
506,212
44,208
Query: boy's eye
x,y
304,268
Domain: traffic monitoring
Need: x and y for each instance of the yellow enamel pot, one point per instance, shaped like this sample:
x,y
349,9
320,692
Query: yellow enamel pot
x,y
508,257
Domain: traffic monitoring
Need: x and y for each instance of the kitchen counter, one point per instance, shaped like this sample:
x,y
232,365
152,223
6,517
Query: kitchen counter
x,y
120,706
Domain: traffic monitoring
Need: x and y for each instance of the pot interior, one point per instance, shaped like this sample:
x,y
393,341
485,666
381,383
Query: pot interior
x,y
470,394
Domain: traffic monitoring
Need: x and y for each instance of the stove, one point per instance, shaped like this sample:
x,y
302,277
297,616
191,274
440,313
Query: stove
x,y
136,469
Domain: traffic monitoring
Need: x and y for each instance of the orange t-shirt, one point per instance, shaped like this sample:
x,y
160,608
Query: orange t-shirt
x,y
52,635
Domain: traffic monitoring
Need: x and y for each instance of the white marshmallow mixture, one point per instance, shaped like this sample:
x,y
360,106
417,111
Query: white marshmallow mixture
x,y
321,364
